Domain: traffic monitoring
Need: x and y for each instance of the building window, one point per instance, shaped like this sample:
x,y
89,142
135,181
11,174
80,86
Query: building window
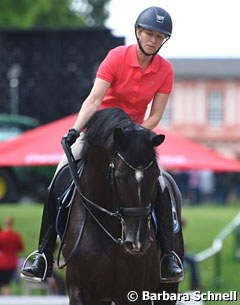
x,y
215,109
166,118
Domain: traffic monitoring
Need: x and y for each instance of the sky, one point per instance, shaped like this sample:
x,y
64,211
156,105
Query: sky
x,y
201,28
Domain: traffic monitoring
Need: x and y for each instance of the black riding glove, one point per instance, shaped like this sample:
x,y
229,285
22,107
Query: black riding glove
x,y
71,136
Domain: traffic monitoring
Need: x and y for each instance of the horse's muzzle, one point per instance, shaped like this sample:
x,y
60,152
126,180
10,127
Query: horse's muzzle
x,y
135,248
137,236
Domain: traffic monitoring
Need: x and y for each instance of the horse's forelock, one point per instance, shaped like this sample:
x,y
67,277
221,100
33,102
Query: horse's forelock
x,y
139,149
100,128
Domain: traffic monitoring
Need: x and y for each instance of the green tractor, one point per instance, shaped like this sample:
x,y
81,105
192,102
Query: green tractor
x,y
14,181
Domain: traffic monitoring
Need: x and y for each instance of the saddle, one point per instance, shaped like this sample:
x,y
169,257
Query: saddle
x,y
65,190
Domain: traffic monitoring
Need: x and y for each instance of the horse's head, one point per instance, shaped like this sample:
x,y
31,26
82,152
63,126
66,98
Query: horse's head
x,y
135,178
125,153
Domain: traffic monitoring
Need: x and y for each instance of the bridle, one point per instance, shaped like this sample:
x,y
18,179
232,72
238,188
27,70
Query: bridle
x,y
119,212
136,211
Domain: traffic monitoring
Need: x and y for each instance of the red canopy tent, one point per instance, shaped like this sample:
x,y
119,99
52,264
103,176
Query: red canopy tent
x,y
177,152
41,146
38,146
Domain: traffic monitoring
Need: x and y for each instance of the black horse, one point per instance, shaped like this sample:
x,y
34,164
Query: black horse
x,y
110,240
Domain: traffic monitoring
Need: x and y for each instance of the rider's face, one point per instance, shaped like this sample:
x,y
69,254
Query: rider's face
x,y
150,40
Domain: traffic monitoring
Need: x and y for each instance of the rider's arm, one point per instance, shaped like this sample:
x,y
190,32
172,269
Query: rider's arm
x,y
158,105
91,103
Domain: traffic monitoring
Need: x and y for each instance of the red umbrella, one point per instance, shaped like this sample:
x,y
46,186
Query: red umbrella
x,y
177,152
41,146
38,146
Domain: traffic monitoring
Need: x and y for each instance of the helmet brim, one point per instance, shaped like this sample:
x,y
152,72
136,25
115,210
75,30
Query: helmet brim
x,y
152,28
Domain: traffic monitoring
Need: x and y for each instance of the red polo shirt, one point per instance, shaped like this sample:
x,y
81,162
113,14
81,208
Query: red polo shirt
x,y
10,245
132,89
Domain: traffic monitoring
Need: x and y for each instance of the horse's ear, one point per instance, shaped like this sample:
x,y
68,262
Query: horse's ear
x,y
119,137
157,139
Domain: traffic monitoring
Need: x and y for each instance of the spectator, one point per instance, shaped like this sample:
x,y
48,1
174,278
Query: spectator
x,y
206,185
224,184
10,245
193,185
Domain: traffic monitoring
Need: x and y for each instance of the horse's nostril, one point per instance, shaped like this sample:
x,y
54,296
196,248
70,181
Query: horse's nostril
x,y
136,246
133,247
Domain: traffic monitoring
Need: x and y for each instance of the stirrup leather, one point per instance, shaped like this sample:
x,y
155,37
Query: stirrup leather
x,y
35,279
179,262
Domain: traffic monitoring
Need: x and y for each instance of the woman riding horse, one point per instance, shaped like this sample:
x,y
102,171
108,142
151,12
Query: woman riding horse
x,y
130,77
110,244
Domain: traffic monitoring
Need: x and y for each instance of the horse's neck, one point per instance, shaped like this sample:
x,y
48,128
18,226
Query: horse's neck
x,y
95,177
98,162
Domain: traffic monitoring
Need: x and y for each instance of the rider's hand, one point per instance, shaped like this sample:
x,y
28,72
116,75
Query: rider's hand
x,y
71,136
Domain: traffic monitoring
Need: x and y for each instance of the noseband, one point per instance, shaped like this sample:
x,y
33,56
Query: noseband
x,y
119,212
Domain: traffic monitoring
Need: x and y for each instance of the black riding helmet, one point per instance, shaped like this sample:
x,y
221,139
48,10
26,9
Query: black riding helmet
x,y
156,19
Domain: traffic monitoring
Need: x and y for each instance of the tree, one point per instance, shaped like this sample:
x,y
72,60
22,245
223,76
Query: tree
x,y
94,12
52,13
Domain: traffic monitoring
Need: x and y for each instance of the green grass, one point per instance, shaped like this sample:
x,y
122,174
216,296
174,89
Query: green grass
x,y
203,224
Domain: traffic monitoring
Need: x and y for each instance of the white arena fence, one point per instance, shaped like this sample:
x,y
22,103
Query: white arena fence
x,y
217,247
52,300
33,300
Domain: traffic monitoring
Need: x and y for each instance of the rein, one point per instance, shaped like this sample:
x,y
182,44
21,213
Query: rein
x,y
119,211
76,180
